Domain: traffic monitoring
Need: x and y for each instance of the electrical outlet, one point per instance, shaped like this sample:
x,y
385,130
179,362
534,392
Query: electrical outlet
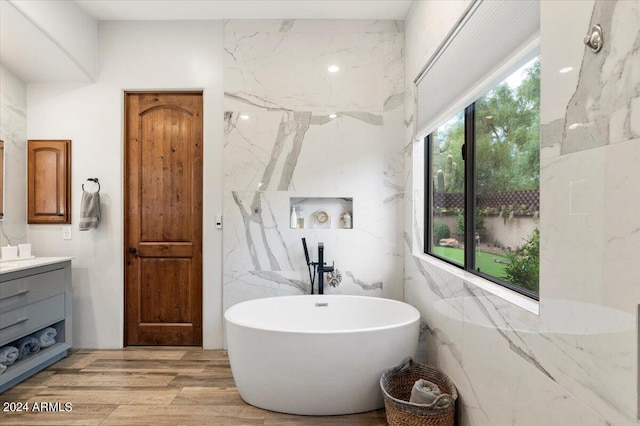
x,y
66,232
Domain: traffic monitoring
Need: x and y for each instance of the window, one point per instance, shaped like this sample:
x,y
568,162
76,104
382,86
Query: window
x,y
482,184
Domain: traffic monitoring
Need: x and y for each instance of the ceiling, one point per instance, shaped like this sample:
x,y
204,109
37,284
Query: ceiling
x,y
34,55
244,9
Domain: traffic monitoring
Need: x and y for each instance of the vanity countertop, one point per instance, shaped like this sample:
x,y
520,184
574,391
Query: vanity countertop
x,y
19,265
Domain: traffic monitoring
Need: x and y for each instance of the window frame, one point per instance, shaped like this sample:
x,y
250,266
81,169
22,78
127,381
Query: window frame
x,y
468,156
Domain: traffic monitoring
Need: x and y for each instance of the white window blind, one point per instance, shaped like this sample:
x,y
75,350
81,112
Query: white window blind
x,y
492,38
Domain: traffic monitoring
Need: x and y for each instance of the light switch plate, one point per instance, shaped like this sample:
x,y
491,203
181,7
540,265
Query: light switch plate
x,y
66,232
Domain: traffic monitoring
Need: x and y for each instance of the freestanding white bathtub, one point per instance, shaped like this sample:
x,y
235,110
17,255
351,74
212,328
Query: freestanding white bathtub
x,y
318,355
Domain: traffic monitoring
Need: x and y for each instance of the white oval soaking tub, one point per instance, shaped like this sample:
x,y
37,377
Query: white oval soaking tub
x,y
320,354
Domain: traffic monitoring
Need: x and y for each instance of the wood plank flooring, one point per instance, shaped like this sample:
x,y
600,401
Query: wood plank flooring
x,y
150,386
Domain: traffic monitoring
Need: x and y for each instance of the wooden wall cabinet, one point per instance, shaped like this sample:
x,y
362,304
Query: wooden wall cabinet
x,y
49,181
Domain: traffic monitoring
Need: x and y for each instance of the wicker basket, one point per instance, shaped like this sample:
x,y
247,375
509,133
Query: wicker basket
x,y
396,385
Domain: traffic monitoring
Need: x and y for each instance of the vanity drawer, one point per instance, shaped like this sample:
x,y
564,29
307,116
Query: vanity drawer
x,y
30,318
23,291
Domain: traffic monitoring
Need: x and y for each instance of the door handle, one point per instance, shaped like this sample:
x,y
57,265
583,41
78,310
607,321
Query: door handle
x,y
133,251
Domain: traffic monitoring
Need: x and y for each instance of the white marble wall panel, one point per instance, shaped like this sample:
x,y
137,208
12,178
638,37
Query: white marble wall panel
x,y
288,68
281,143
575,362
604,87
311,26
261,248
13,131
508,391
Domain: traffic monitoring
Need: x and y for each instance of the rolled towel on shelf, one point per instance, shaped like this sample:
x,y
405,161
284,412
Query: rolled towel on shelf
x,y
425,392
28,346
8,355
2,368
46,337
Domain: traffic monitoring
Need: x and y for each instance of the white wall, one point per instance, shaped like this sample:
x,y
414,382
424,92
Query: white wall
x,y
132,56
574,363
71,29
13,131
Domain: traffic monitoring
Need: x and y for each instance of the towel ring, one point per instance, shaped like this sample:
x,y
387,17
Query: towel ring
x,y
93,180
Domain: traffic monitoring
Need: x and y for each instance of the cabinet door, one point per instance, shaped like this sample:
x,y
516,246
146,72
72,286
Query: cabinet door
x,y
49,181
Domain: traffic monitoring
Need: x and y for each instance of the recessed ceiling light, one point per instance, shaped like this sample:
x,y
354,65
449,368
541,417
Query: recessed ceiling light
x,y
333,68
244,116
566,70
332,116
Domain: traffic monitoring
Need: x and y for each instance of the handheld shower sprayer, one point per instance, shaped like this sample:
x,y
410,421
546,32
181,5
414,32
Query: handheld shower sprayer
x,y
312,278
306,252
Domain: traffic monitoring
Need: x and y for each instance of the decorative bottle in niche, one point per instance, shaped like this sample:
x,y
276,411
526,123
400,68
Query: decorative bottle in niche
x,y
300,217
346,218
294,219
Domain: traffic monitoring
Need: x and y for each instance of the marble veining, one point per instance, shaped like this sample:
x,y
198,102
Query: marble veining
x,y
294,130
575,362
599,112
13,131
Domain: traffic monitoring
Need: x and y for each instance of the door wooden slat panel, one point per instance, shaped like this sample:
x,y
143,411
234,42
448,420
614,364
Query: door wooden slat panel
x,y
163,218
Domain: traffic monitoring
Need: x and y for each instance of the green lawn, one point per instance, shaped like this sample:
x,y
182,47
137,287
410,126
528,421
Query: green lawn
x,y
484,260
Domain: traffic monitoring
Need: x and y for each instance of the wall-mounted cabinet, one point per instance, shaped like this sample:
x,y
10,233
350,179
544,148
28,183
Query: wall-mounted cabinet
x,y
49,181
321,212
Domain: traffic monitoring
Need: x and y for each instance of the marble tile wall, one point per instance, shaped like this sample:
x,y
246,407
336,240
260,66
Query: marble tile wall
x,y
575,362
13,131
279,143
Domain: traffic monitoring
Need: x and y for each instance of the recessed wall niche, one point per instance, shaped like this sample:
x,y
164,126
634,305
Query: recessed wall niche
x,y
321,212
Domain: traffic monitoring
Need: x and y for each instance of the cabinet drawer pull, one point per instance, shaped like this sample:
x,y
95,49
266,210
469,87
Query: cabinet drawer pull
x,y
20,293
20,321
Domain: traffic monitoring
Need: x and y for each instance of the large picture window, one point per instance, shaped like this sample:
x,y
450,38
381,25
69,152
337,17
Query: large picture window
x,y
482,184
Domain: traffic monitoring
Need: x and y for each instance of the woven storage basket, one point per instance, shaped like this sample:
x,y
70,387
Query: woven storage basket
x,y
396,385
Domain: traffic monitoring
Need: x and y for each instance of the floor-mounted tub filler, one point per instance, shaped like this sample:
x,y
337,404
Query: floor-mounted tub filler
x,y
318,354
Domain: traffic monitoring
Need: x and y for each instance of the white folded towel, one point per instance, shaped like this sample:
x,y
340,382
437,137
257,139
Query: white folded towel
x,y
425,392
8,355
89,210
2,368
46,337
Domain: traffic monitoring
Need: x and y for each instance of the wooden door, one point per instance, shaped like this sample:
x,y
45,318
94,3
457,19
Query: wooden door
x,y
49,181
163,218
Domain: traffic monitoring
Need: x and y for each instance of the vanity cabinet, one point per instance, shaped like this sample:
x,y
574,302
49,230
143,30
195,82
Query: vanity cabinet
x,y
34,294
49,181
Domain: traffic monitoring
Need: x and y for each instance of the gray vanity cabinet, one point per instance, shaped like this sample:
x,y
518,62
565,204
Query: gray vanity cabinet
x,y
32,299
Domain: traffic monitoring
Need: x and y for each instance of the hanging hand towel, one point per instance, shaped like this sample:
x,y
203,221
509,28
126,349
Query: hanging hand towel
x,y
89,210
